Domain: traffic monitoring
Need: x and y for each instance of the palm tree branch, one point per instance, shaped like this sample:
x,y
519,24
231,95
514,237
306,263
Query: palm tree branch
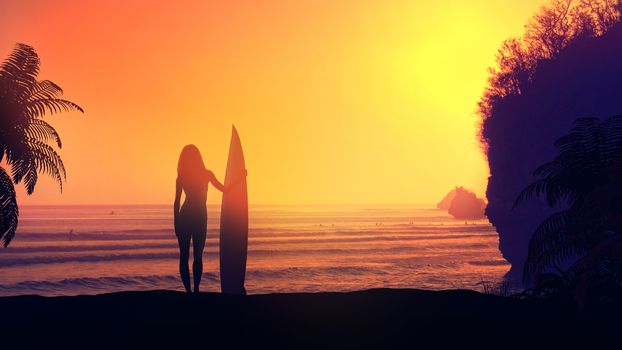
x,y
21,69
9,211
48,161
45,89
37,108
36,157
40,130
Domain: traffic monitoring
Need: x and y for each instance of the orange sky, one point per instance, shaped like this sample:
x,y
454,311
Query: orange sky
x,y
348,101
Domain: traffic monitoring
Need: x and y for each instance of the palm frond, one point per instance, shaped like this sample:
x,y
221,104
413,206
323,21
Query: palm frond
x,y
9,211
18,156
48,161
532,190
548,230
38,107
555,167
549,236
608,248
551,189
586,176
24,136
24,169
559,247
21,68
45,89
36,157
40,130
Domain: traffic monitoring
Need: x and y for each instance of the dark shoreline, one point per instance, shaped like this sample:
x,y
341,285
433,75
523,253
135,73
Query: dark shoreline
x,y
378,318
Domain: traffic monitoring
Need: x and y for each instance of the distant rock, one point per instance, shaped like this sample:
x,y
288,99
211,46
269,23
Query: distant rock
x,y
463,204
446,202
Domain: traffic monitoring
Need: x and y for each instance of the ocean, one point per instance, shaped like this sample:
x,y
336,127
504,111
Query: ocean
x,y
72,250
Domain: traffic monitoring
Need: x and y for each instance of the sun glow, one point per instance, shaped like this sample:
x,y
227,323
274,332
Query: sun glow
x,y
335,102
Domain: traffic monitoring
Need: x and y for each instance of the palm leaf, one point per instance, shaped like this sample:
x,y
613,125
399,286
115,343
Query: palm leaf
x,y
24,136
45,89
553,191
9,211
36,157
21,69
556,248
48,161
608,248
24,169
40,130
532,190
548,229
586,176
38,107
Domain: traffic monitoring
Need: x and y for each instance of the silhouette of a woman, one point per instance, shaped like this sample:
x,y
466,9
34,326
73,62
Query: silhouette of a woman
x,y
191,220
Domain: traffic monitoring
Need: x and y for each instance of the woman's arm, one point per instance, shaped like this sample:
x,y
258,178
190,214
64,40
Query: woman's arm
x,y
176,204
220,186
212,178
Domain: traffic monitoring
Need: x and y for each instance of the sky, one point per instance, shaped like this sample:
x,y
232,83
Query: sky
x,y
336,102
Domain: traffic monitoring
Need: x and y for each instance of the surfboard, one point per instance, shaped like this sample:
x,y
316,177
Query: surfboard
x,y
234,221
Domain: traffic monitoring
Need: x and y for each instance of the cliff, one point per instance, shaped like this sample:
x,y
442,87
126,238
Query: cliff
x,y
584,80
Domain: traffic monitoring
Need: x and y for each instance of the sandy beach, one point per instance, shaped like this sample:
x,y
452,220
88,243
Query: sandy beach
x,y
379,318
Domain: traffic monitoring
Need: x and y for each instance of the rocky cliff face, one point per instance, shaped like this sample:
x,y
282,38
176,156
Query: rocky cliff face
x,y
584,80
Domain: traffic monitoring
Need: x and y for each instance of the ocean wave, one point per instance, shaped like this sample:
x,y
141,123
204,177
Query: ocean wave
x,y
173,254
84,248
92,285
347,250
489,263
312,272
375,238
59,259
254,242
279,231
97,236
95,285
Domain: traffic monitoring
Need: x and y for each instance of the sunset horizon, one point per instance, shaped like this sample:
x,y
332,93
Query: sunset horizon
x,y
346,115
311,174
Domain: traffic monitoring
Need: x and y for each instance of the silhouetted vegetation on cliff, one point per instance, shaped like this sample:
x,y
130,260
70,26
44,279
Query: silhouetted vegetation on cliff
x,y
564,67
547,33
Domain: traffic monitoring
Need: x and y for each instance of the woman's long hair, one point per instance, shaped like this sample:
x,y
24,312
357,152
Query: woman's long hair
x,y
190,168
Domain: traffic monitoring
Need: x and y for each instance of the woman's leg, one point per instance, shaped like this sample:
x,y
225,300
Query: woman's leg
x,y
198,243
184,254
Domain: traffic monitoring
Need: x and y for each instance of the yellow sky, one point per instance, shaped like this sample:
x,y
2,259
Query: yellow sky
x,y
347,102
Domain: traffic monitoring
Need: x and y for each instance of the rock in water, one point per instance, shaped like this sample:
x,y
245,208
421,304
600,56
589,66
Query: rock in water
x,y
446,202
466,205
